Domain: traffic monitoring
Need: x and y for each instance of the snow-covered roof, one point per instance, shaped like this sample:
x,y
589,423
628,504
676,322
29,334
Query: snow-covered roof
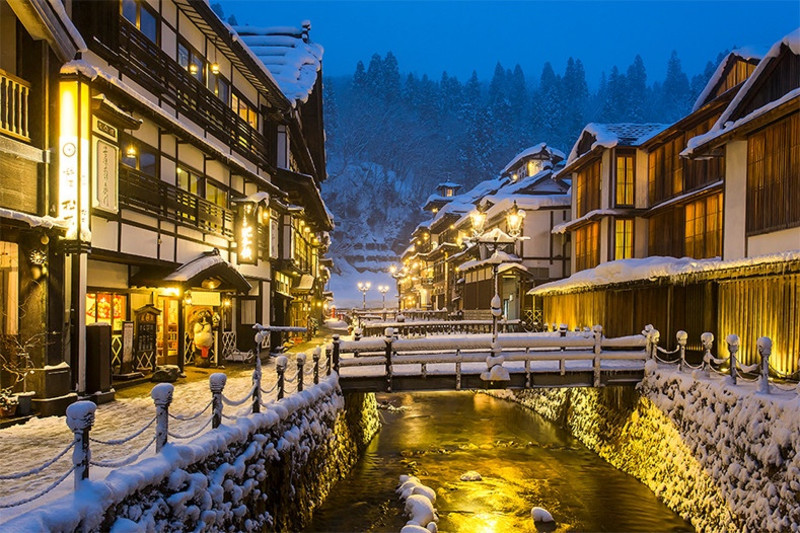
x,y
497,258
288,54
611,135
652,268
448,185
740,54
552,154
33,221
526,202
569,224
724,124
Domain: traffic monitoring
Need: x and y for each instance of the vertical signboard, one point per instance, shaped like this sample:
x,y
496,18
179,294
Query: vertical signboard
x,y
246,246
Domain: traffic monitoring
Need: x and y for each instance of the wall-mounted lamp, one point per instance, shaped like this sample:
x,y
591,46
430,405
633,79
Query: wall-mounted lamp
x,y
187,298
38,263
130,151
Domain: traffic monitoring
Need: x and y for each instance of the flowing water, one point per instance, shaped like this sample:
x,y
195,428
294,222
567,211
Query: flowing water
x,y
524,460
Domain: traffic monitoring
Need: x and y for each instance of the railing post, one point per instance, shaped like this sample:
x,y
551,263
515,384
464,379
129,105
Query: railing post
x,y
335,354
562,332
162,397
707,339
301,362
458,368
281,362
655,335
647,333
80,418
733,347
216,382
388,337
764,345
681,336
257,384
315,355
597,330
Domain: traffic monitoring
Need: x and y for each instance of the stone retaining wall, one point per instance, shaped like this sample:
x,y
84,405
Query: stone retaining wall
x,y
722,456
267,471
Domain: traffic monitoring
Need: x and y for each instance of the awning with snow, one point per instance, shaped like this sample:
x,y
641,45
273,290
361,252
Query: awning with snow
x,y
207,271
304,285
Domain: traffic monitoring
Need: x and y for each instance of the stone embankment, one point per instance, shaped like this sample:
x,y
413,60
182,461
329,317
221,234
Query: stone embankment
x,y
723,456
266,471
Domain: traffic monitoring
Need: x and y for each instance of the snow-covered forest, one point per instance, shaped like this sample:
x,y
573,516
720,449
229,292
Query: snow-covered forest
x,y
392,136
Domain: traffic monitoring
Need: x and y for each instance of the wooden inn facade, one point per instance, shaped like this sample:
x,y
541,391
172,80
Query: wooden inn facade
x,y
183,188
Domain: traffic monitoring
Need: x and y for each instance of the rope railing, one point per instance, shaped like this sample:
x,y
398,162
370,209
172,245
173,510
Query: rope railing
x,y
124,462
39,468
235,403
190,435
186,418
41,493
117,442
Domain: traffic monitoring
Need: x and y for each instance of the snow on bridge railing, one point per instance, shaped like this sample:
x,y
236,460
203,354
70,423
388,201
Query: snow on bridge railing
x,y
532,349
440,327
81,418
765,374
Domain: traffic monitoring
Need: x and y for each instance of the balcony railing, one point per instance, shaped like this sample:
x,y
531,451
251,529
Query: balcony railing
x,y
154,196
14,94
149,66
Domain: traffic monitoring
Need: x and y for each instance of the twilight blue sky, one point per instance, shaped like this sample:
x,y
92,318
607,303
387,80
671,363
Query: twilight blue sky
x,y
458,36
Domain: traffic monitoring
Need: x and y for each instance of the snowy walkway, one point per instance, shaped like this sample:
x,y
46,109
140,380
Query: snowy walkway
x,y
30,445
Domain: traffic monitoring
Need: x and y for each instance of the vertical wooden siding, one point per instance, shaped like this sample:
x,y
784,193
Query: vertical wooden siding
x,y
765,306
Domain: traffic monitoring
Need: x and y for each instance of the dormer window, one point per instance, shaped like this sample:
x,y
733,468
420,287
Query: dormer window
x,y
534,167
448,192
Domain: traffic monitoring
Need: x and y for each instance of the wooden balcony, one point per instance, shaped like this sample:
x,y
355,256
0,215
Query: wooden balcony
x,y
153,196
14,96
149,66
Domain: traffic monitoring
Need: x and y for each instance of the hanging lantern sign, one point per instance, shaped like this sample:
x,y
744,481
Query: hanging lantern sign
x,y
246,232
73,159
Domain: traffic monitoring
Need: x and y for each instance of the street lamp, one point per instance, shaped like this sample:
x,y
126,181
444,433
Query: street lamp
x,y
383,289
364,287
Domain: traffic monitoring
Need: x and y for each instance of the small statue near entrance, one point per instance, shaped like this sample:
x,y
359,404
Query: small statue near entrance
x,y
202,337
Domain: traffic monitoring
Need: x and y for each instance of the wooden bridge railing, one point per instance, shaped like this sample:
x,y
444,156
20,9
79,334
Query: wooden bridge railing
x,y
526,354
440,327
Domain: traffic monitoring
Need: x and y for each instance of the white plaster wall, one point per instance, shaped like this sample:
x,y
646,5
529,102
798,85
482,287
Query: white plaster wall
x,y
139,241
735,198
774,242
107,275
104,234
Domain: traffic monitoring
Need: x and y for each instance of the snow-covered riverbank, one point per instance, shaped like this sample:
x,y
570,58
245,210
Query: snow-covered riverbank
x,y
723,456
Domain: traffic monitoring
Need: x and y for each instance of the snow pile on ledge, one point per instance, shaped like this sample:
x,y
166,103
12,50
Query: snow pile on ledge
x,y
419,500
652,268
747,442
46,222
207,482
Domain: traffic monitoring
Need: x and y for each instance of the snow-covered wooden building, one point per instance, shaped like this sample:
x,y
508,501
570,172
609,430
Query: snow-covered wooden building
x,y
718,192
197,202
35,39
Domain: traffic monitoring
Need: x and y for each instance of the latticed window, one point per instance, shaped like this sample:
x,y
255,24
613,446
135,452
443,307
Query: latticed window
x,y
587,246
625,180
623,238
773,176
587,188
703,228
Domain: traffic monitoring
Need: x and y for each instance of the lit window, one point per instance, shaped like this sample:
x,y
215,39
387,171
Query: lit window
x,y
189,181
625,179
623,239
703,227
534,167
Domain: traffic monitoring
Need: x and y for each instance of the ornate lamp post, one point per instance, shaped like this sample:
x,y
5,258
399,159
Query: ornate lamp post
x,y
364,287
383,289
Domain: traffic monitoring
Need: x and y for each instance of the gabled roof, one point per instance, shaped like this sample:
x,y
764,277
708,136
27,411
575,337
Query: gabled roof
x,y
733,117
722,70
289,55
597,136
541,151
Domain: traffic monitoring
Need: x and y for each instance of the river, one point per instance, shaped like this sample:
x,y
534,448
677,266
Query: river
x,y
524,461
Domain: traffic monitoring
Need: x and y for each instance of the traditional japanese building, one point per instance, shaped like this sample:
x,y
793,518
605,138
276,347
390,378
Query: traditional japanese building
x,y
35,39
719,197
197,199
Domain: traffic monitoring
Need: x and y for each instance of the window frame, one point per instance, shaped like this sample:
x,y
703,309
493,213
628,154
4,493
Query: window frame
x,y
140,4
628,237
626,188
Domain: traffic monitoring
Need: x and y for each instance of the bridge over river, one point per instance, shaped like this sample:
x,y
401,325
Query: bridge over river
x,y
474,361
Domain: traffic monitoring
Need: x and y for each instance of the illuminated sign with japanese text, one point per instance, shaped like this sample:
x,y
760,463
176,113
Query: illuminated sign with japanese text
x,y
246,232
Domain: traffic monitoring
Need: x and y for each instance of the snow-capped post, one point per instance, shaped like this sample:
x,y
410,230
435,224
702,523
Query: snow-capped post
x,y
216,382
335,355
257,384
562,332
497,310
162,397
458,368
733,347
647,333
681,336
764,345
388,337
655,336
328,358
301,362
315,355
597,330
281,362
707,339
80,418
357,334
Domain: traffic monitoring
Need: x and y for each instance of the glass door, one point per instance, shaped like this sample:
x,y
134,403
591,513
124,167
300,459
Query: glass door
x,y
167,331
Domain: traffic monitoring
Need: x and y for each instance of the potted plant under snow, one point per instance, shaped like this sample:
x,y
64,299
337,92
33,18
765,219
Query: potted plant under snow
x,y
8,403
